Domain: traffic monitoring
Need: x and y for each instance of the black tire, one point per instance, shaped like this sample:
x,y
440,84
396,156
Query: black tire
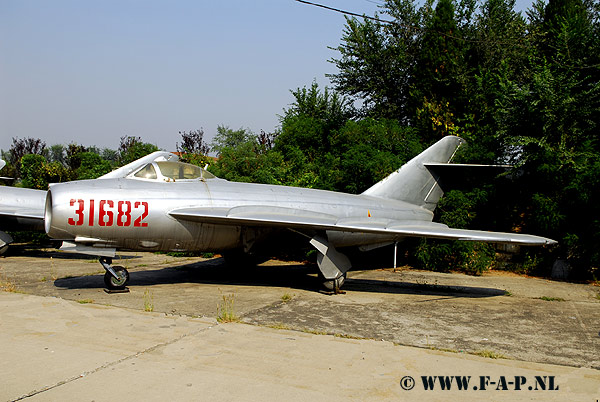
x,y
113,283
335,285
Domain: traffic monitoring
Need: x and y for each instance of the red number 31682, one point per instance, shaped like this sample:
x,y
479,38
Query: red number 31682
x,y
123,215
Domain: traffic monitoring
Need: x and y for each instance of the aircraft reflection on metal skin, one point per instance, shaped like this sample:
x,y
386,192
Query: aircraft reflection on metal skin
x,y
160,204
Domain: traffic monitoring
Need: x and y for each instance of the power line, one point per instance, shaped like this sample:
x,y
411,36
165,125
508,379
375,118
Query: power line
x,y
337,10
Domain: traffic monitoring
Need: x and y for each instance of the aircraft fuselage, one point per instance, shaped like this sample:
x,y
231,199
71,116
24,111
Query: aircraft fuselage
x,y
134,214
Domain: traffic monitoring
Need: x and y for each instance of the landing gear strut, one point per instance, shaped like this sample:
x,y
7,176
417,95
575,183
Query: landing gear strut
x,y
332,264
334,285
115,277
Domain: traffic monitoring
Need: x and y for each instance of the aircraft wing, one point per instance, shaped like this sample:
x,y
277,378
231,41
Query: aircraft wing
x,y
22,203
310,220
23,213
20,209
2,164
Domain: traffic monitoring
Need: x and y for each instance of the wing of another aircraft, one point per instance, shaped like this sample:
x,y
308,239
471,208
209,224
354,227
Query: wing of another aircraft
x,y
2,164
301,219
20,209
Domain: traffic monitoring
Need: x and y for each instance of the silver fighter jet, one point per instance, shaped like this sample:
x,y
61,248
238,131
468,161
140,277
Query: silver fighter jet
x,y
158,203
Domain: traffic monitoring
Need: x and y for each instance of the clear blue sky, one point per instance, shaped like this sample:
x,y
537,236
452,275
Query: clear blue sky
x,y
92,71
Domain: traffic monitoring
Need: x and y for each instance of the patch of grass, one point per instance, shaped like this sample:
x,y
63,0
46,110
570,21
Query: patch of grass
x,y
279,325
490,354
314,331
346,336
444,349
598,296
226,309
148,301
43,279
546,298
286,297
53,273
7,285
141,265
85,301
207,255
507,293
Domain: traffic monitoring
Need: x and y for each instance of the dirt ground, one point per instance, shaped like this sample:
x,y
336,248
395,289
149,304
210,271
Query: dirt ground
x,y
493,315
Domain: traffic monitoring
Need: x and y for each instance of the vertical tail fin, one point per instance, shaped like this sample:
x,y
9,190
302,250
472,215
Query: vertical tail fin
x,y
413,182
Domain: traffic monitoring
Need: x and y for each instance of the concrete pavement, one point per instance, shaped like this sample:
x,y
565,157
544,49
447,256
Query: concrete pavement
x,y
54,349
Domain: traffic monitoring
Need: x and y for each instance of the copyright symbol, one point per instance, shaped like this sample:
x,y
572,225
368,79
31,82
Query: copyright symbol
x,y
407,383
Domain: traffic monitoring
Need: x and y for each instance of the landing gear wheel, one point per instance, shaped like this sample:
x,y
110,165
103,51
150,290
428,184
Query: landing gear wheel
x,y
334,285
113,283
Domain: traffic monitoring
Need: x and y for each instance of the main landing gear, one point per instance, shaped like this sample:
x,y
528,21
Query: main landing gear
x,y
115,277
332,264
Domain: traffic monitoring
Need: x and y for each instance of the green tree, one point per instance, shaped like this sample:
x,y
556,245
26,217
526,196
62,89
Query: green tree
x,y
228,138
37,173
193,149
551,120
376,61
307,128
132,148
371,149
21,147
57,154
91,166
73,152
33,171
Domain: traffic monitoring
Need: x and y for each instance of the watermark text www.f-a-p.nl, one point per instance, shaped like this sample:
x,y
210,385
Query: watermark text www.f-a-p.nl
x,y
481,383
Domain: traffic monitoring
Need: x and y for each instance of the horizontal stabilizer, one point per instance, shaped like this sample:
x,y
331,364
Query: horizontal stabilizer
x,y
310,220
464,176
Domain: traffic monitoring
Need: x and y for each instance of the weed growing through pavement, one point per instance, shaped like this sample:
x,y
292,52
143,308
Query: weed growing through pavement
x,y
444,349
148,301
286,297
85,301
53,273
226,309
279,325
490,354
546,298
6,285
314,331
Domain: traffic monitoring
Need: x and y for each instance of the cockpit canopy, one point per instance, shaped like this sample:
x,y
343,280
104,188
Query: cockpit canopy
x,y
172,171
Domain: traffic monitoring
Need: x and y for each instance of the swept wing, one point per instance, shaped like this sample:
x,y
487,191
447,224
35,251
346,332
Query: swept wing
x,y
311,220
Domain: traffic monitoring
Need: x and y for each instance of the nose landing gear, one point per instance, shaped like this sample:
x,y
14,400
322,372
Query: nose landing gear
x,y
115,277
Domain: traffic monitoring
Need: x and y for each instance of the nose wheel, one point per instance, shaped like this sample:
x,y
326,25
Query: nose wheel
x,y
116,277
